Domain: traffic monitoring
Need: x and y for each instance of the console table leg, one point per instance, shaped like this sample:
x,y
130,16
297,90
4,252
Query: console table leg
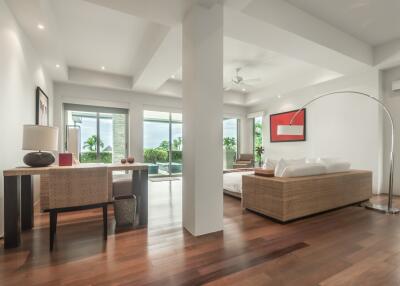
x,y
143,218
139,184
26,202
12,201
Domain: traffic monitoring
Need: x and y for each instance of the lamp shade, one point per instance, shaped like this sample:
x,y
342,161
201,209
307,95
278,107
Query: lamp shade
x,y
37,137
290,129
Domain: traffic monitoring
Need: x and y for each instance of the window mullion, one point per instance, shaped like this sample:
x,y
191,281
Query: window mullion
x,y
98,137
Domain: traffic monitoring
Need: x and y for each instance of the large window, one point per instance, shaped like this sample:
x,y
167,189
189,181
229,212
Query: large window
x,y
257,136
162,142
102,133
231,141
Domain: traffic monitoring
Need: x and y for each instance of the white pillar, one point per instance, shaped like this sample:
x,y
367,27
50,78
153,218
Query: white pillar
x,y
136,131
202,116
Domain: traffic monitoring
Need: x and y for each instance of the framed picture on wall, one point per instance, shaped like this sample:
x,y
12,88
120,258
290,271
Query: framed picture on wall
x,y
42,107
284,119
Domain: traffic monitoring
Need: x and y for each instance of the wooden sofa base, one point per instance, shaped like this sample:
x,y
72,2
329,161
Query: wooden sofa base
x,y
287,199
358,204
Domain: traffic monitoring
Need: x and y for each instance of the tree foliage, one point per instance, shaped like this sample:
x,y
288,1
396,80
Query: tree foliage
x,y
91,143
177,144
257,139
154,155
230,143
164,145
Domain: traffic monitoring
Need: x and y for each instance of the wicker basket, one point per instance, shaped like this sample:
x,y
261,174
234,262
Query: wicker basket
x,y
125,210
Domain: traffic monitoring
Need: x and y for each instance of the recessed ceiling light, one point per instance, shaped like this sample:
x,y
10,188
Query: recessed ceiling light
x,y
243,89
40,27
57,66
279,96
173,76
103,68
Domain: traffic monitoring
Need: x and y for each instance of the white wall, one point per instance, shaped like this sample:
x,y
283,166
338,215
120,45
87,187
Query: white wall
x,y
392,100
20,73
135,102
345,126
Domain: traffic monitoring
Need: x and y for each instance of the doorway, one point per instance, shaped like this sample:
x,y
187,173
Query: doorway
x,y
162,143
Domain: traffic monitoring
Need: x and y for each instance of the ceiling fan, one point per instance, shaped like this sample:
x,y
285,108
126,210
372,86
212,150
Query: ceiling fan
x,y
238,81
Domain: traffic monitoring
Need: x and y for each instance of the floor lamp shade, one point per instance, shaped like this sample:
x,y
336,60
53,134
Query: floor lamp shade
x,y
39,138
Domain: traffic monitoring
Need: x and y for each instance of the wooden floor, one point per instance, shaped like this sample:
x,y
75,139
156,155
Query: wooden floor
x,y
350,246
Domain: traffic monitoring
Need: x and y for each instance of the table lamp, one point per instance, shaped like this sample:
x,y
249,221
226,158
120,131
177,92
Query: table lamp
x,y
39,138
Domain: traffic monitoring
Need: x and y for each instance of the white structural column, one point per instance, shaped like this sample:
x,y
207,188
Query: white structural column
x,y
202,62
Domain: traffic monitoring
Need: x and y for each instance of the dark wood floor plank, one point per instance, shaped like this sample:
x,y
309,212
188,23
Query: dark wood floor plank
x,y
349,245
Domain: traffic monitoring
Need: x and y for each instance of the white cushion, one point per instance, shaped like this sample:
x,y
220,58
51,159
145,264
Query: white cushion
x,y
306,169
233,181
270,164
328,160
283,163
338,167
335,165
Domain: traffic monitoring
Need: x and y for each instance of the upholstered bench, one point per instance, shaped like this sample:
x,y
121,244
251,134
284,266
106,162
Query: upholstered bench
x,y
122,185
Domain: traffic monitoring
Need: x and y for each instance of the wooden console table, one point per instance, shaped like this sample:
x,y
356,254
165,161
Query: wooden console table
x,y
18,195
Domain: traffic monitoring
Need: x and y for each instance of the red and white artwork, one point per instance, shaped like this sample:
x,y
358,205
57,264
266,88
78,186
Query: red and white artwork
x,y
284,118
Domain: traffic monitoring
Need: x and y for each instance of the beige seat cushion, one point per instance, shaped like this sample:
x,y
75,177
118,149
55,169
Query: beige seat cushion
x,y
246,157
122,185
242,162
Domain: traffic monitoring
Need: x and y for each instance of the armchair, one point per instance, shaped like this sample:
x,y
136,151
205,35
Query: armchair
x,y
244,161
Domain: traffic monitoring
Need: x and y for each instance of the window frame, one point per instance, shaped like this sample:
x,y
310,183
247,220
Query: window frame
x,y
97,110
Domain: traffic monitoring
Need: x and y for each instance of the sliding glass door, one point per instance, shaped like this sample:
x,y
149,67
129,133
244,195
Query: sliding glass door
x,y
257,136
231,141
162,142
176,144
102,133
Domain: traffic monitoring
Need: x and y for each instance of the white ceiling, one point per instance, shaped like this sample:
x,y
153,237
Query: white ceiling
x,y
141,40
372,21
166,12
94,36
255,62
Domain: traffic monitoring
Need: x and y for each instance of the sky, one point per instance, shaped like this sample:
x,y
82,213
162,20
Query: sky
x,y
155,132
88,128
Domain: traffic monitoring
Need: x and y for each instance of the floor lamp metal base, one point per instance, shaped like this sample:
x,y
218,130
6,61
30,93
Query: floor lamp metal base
x,y
382,208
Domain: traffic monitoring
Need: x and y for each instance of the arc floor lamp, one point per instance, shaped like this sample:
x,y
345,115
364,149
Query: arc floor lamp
x,y
298,130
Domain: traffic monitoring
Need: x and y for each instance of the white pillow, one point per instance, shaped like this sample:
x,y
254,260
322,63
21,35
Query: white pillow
x,y
327,160
338,167
282,164
335,165
270,164
307,169
280,167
